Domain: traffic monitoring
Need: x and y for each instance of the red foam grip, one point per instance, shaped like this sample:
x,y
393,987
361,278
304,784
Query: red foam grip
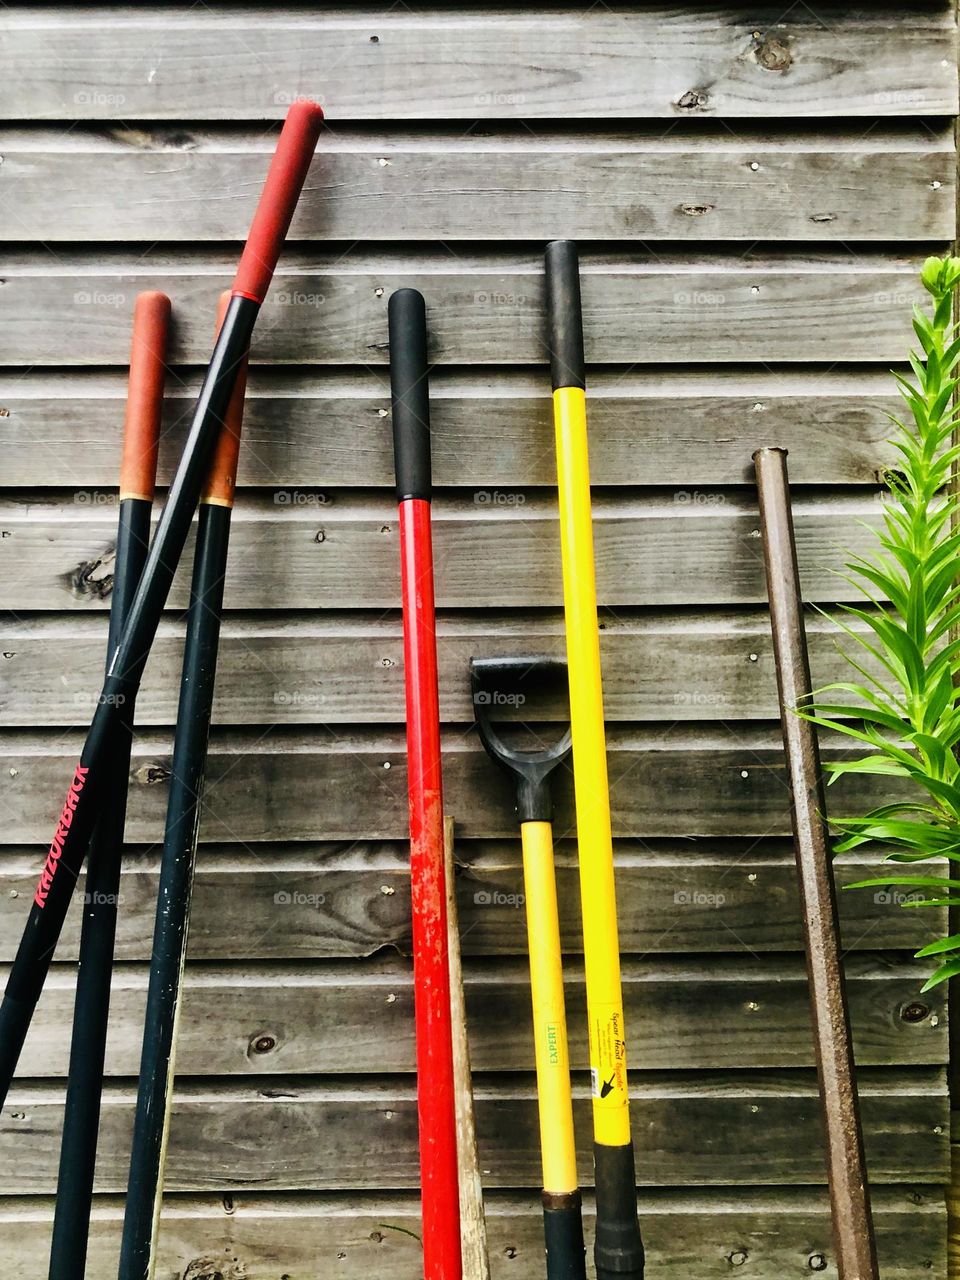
x,y
281,191
141,431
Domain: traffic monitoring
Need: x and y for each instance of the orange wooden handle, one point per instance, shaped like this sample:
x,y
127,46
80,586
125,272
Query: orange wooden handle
x,y
222,477
141,428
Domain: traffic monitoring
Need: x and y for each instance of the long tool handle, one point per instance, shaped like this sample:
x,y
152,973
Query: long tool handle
x,y
618,1248
473,1250
72,835
81,1123
846,1166
152,1118
562,1213
431,972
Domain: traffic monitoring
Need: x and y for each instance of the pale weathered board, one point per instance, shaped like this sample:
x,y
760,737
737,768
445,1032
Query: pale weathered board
x,y
75,309
244,1019
492,428
348,668
318,1133
144,185
310,901
689,547
764,1233
666,61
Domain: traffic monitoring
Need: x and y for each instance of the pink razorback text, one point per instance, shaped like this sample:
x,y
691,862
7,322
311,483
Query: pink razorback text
x,y
56,845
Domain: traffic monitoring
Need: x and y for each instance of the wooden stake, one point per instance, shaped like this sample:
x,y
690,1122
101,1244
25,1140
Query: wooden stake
x,y
476,1260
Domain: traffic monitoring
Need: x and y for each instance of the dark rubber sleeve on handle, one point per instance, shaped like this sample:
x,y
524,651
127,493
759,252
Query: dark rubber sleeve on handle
x,y
563,1237
564,315
141,428
618,1250
281,191
221,482
407,318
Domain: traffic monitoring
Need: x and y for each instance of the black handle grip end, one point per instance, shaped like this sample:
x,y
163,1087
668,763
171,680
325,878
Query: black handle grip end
x,y
410,393
564,315
618,1249
563,1237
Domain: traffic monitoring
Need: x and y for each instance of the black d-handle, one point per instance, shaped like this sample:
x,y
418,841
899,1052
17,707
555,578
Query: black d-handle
x,y
490,680
410,393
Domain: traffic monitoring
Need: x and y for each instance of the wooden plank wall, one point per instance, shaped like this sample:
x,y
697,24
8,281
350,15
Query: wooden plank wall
x,y
754,189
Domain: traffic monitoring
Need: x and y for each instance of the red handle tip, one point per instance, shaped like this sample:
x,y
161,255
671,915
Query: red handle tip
x,y
141,432
281,191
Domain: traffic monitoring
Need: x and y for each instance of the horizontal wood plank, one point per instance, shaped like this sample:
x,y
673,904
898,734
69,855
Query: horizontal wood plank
x,y
297,1133
684,548
348,668
664,61
353,899
74,309
779,1234
490,186
303,431
350,784
737,1012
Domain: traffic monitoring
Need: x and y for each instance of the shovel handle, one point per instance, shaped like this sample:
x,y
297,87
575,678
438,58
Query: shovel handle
x,y
278,200
409,390
564,315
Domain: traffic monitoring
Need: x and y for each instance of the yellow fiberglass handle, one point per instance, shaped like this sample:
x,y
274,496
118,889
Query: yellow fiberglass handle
x,y
558,1149
601,946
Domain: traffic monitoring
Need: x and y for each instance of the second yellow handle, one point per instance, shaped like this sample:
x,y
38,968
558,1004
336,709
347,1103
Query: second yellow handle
x,y
558,1149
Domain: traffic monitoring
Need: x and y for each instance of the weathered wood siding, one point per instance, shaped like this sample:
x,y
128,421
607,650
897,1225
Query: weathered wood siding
x,y
754,192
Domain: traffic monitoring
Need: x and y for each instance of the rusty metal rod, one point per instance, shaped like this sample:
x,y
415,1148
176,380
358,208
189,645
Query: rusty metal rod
x,y
846,1167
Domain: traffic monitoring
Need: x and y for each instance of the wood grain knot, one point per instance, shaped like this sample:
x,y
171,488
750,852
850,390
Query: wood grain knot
x,y
773,54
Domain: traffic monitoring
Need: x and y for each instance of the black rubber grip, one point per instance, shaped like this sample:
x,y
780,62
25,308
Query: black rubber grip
x,y
618,1248
410,393
564,315
563,1237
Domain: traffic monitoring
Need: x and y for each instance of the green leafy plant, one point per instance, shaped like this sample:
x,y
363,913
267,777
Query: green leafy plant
x,y
904,705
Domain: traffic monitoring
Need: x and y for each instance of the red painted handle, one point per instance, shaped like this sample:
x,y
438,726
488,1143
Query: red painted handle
x,y
281,191
141,429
